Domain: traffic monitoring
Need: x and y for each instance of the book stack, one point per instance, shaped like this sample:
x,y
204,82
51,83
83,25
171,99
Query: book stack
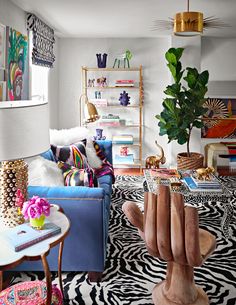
x,y
196,185
129,159
124,83
110,120
123,139
99,102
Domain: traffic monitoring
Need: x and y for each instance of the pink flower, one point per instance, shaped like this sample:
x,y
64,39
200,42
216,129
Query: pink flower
x,y
19,199
36,207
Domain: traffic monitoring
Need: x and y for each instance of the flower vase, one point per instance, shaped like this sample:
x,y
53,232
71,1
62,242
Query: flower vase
x,y
37,223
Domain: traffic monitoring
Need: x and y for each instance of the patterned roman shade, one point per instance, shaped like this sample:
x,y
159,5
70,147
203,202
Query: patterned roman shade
x,y
43,41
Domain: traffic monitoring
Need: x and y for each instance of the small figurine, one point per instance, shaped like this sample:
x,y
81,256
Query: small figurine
x,y
101,60
98,95
102,82
125,57
124,99
91,82
99,135
154,161
124,151
205,173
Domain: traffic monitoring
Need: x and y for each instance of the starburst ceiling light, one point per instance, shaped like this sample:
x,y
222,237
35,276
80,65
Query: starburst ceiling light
x,y
189,23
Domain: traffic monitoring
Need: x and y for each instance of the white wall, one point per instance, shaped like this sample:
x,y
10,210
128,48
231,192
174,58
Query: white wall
x,y
13,16
74,53
218,56
53,88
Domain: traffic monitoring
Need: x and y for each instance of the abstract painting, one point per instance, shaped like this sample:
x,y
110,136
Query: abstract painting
x,y
17,62
220,119
2,91
2,46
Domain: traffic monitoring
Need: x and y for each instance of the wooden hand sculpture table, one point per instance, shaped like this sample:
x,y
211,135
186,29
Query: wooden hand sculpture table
x,y
171,232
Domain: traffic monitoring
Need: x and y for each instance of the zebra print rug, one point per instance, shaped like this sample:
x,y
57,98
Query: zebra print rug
x,y
131,272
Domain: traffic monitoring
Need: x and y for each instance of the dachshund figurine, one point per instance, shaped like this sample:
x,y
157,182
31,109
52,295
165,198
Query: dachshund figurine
x,y
154,161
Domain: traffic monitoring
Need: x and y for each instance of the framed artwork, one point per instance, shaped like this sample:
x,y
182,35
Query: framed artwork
x,y
2,45
220,119
17,48
2,91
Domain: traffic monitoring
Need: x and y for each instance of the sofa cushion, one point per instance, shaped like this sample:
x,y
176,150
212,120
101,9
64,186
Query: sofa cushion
x,y
74,176
43,172
74,154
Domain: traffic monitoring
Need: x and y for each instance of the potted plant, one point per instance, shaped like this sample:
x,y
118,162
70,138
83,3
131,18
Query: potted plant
x,y
183,107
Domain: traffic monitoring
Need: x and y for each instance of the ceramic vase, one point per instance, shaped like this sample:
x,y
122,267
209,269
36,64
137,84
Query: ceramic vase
x,y
38,223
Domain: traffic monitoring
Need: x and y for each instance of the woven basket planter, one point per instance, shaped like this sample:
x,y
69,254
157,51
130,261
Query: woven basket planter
x,y
193,162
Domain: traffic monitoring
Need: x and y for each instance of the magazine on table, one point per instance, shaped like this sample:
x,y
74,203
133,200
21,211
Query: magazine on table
x,y
24,236
165,173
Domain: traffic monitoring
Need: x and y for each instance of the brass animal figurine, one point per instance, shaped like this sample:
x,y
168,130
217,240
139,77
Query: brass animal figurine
x,y
153,162
204,173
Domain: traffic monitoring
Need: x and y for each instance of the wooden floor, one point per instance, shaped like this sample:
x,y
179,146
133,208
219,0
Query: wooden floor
x,y
223,171
128,171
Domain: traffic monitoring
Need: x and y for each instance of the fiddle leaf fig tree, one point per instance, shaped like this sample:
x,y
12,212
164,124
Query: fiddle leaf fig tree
x,y
183,106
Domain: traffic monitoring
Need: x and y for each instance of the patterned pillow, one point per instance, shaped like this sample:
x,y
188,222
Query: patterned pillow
x,y
32,293
106,168
74,154
77,177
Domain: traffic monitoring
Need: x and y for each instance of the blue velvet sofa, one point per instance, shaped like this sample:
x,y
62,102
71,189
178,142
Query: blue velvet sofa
x,y
88,210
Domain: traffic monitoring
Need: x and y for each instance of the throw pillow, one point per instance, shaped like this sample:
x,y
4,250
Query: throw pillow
x,y
74,154
43,172
106,168
68,136
77,177
74,135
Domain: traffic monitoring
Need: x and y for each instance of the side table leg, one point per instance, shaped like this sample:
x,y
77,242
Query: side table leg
x,y
226,219
1,280
59,267
48,278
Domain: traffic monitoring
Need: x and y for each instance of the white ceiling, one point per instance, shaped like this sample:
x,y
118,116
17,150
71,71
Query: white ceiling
x,y
124,18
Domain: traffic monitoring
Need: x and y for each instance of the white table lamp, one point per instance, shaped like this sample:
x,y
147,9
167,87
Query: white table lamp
x,y
24,132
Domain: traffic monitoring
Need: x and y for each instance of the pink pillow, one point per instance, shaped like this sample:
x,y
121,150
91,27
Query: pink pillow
x,y
30,293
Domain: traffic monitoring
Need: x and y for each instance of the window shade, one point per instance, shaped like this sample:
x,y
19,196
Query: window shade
x,y
43,41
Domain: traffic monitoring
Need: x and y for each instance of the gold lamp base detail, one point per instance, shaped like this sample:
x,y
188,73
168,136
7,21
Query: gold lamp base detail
x,y
13,176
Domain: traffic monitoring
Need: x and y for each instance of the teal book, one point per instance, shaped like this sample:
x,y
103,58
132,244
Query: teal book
x,y
24,236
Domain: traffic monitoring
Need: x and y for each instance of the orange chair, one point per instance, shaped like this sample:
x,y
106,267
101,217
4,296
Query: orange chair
x,y
171,232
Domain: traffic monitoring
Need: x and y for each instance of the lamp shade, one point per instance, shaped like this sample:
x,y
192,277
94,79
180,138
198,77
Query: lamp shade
x,y
24,129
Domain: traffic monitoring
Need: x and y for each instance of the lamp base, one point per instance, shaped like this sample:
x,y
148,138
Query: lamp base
x,y
13,176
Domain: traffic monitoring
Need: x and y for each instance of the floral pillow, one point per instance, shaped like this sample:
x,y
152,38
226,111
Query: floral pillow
x,y
74,155
77,177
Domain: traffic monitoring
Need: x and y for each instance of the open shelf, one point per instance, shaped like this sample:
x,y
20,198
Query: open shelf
x,y
112,87
135,144
119,106
112,69
137,162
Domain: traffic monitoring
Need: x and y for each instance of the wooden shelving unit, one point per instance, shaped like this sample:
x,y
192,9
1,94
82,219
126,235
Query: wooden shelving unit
x,y
139,106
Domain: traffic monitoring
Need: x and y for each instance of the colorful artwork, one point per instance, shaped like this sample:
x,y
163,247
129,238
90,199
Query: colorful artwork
x,y
2,91
16,60
2,46
220,118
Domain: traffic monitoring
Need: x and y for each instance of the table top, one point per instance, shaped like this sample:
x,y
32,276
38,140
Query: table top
x,y
152,183
9,257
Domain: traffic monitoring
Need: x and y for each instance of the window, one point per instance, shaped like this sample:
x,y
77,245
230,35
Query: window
x,y
39,78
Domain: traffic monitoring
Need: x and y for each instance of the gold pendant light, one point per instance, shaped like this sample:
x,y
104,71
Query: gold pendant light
x,y
189,23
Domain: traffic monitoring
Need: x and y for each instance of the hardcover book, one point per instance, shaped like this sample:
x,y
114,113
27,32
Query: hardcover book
x,y
24,236
194,188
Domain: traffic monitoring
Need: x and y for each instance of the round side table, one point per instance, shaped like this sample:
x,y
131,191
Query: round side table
x,y
10,259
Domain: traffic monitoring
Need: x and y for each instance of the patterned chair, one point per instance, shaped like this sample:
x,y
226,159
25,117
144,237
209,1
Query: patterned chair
x,y
171,232
30,293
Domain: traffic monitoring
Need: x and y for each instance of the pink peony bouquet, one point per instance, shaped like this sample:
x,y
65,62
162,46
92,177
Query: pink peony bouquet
x,y
36,207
